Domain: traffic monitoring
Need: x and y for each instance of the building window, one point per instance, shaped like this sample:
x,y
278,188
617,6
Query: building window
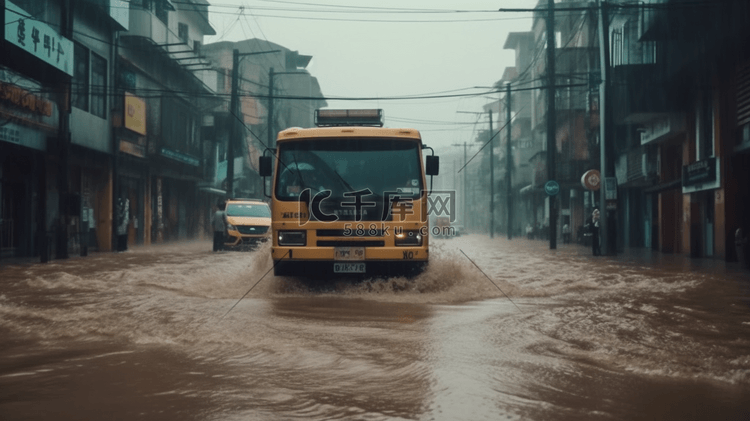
x,y
178,127
89,90
140,4
80,98
160,8
162,11
98,86
626,49
182,32
616,47
197,47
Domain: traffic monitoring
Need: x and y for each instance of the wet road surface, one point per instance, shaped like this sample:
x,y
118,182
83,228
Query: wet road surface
x,y
142,335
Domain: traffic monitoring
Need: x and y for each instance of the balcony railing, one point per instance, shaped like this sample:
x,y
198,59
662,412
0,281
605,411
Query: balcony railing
x,y
145,24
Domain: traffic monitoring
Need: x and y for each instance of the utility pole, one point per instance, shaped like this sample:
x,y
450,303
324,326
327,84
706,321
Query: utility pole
x,y
551,120
492,181
606,147
465,198
271,141
234,115
234,111
465,217
63,137
508,165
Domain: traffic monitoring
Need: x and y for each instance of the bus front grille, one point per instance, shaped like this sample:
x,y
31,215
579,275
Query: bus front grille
x,y
350,233
368,243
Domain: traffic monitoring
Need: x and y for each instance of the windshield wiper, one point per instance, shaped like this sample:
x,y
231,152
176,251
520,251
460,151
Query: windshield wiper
x,y
299,173
347,185
304,185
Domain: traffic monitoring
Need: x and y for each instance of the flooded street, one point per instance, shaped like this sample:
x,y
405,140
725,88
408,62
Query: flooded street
x,y
145,334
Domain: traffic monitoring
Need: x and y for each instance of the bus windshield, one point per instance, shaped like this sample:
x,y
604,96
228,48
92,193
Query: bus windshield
x,y
342,165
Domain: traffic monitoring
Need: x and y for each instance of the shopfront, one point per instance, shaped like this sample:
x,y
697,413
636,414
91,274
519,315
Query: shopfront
x,y
701,181
27,119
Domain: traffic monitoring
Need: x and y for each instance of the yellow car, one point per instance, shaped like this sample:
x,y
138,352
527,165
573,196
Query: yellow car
x,y
248,223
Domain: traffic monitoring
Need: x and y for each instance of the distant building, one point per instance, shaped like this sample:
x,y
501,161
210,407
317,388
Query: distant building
x,y
258,61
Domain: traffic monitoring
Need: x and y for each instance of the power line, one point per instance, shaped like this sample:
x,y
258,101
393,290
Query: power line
x,y
386,20
390,9
669,6
488,142
359,9
157,92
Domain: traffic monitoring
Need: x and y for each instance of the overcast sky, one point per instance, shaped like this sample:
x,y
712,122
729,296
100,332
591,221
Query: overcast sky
x,y
391,48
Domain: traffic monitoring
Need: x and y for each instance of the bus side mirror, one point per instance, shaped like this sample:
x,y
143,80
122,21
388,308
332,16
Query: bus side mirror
x,y
264,166
433,165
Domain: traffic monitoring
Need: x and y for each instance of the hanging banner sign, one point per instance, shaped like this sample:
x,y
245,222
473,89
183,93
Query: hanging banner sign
x,y
135,114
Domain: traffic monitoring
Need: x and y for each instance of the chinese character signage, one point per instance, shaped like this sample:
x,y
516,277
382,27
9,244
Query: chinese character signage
x,y
37,38
135,114
24,99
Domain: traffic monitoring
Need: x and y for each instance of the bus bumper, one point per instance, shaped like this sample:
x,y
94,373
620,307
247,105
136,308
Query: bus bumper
x,y
319,262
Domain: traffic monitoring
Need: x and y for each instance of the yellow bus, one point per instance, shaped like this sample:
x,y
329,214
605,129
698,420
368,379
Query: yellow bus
x,y
349,197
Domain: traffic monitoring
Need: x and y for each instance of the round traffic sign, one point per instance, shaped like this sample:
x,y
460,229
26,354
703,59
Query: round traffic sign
x,y
551,188
591,180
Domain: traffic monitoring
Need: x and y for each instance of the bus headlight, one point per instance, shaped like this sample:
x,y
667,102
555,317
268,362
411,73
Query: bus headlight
x,y
231,227
292,238
409,238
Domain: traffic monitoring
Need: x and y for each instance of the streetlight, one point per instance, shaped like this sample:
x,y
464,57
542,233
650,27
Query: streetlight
x,y
234,110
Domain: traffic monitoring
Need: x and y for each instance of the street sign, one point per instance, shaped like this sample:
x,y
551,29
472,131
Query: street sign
x,y
551,188
610,188
591,180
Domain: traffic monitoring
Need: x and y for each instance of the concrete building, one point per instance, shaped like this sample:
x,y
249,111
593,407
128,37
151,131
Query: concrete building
x,y
102,102
55,125
678,120
267,73
164,89
683,132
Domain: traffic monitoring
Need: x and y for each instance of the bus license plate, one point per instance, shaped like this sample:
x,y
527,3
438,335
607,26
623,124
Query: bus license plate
x,y
349,268
349,253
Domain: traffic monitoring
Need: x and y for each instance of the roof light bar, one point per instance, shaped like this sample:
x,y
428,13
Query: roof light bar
x,y
368,117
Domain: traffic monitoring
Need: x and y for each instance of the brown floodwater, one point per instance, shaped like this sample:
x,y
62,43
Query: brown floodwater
x,y
148,334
